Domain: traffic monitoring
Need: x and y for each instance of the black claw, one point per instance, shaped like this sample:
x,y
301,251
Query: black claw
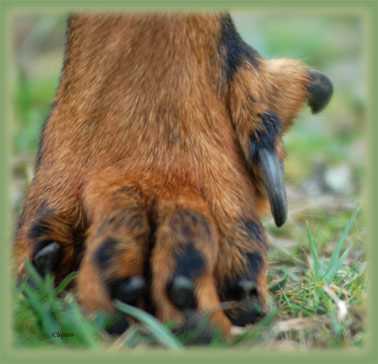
x,y
127,290
249,313
181,292
320,91
47,259
248,310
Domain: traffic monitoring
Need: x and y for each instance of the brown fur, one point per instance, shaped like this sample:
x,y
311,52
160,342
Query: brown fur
x,y
143,106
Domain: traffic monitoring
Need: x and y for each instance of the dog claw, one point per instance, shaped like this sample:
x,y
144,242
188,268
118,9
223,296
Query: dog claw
x,y
320,91
128,290
181,292
249,310
46,259
249,313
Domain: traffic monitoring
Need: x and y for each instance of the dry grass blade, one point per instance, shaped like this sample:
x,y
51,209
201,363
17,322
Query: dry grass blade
x,y
298,324
342,307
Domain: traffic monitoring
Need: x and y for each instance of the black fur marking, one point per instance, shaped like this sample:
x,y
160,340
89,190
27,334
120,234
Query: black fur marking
x,y
41,227
105,225
266,137
130,191
234,50
189,225
147,269
131,218
190,262
254,231
39,230
105,253
255,263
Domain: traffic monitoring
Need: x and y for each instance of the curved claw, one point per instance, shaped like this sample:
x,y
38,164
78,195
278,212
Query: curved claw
x,y
46,259
181,292
273,177
320,91
127,290
249,312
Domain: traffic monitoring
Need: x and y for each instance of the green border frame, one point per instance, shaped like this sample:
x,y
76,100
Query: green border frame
x,y
367,8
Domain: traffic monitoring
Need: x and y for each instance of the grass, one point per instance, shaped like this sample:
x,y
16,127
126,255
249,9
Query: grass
x,y
326,289
318,302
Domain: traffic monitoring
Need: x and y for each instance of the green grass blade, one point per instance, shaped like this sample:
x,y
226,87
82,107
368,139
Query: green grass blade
x,y
332,271
49,325
49,291
336,255
33,274
160,332
65,282
82,327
